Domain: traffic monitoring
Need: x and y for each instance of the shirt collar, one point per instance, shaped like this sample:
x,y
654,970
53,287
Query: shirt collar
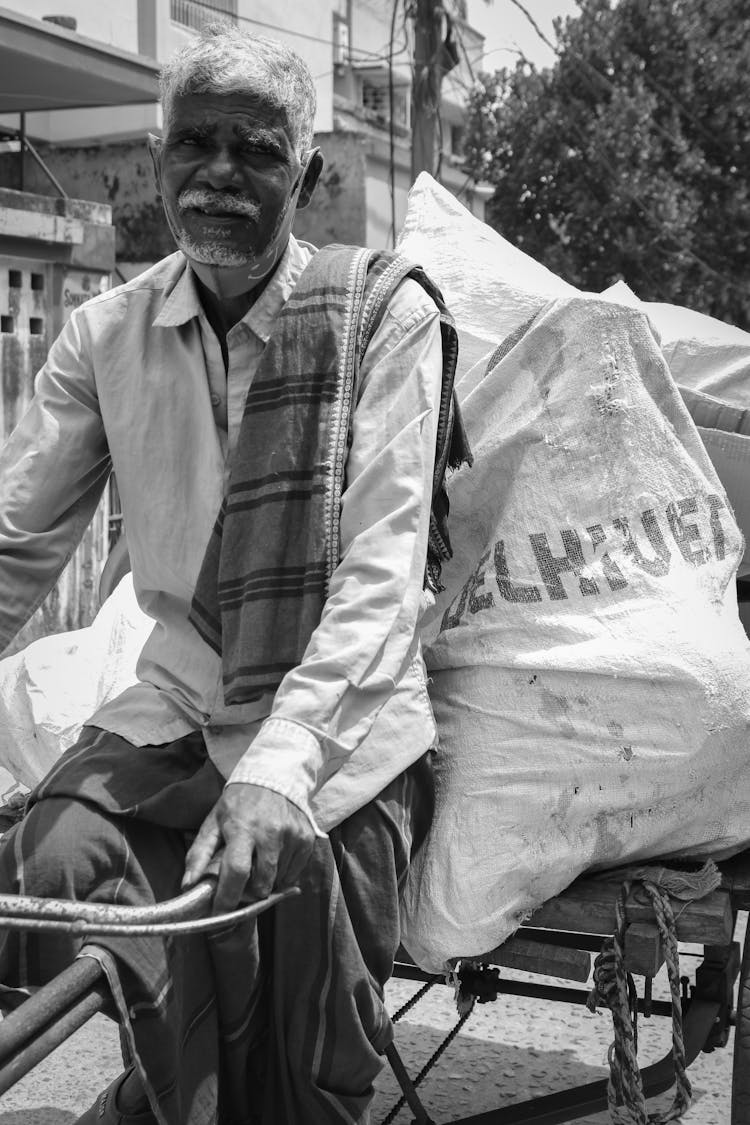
x,y
261,316
182,303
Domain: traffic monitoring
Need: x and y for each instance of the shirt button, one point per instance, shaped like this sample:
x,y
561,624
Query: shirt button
x,y
215,400
214,730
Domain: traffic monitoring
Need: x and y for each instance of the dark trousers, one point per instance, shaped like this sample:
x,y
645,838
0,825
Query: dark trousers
x,y
280,1022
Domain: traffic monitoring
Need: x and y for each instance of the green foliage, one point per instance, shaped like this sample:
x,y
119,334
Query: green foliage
x,y
630,157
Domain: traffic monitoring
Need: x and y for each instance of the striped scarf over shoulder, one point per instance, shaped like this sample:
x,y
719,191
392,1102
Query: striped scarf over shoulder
x,y
264,579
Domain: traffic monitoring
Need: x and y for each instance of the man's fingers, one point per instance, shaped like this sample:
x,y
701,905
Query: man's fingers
x,y
236,865
263,875
266,839
293,862
202,850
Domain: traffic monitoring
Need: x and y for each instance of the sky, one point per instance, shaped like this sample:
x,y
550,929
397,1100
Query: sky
x,y
507,30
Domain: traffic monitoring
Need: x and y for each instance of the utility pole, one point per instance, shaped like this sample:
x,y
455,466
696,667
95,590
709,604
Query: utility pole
x,y
425,91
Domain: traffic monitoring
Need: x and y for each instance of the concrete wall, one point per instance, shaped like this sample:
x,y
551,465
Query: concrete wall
x,y
379,231
109,21
370,35
338,211
120,175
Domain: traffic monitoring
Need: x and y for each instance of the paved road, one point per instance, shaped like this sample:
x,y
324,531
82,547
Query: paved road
x,y
518,1048
510,1050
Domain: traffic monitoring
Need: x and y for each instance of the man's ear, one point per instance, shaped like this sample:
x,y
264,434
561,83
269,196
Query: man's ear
x,y
312,175
154,148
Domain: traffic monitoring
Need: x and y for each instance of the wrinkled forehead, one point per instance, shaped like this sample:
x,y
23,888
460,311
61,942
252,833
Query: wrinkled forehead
x,y
246,109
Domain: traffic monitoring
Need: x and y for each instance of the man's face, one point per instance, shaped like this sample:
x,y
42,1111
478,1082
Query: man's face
x,y
227,169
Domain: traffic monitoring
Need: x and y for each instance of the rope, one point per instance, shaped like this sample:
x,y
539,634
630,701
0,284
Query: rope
x,y
668,930
614,988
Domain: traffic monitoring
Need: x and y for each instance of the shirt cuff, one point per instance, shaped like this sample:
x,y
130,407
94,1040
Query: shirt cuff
x,y
286,758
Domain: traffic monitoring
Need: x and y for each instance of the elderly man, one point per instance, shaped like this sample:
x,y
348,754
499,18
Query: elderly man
x,y
280,727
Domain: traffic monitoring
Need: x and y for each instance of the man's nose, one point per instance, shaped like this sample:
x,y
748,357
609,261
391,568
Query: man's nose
x,y
222,170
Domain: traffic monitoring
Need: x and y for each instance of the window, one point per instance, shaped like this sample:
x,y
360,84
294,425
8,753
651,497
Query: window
x,y
457,138
376,101
194,13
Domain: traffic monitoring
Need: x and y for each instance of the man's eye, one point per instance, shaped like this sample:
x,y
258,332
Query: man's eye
x,y
260,150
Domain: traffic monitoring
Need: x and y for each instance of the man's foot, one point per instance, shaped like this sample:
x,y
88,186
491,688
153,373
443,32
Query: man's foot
x,y
108,1107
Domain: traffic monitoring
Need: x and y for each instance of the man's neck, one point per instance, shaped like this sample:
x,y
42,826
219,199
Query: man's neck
x,y
224,312
223,294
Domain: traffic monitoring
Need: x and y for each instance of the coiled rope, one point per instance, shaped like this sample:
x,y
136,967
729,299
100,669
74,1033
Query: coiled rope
x,y
614,988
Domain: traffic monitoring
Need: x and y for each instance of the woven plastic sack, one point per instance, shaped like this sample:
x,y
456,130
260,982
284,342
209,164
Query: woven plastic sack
x,y
490,286
704,354
54,685
710,363
590,677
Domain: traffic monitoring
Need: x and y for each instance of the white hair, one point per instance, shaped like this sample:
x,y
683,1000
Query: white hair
x,y
223,59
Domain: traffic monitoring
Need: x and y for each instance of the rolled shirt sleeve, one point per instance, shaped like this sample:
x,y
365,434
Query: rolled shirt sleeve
x,y
53,469
366,638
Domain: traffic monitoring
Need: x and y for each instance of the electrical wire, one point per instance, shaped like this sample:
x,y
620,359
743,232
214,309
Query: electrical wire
x,y
208,7
440,138
522,8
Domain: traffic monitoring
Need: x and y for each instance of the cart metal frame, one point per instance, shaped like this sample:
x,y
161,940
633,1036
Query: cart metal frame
x,y
559,942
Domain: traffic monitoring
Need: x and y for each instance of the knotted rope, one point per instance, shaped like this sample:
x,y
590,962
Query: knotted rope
x,y
614,988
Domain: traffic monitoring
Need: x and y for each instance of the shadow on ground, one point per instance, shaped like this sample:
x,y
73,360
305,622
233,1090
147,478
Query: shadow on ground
x,y
476,1075
40,1115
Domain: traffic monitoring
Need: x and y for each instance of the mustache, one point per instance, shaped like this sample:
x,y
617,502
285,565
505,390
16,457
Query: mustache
x,y
206,200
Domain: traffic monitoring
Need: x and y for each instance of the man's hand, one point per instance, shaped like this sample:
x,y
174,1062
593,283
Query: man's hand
x,y
266,842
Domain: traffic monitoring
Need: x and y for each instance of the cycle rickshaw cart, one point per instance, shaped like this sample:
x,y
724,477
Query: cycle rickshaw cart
x,y
633,920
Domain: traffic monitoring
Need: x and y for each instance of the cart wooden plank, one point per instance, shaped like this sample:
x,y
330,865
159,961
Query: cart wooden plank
x,y
588,907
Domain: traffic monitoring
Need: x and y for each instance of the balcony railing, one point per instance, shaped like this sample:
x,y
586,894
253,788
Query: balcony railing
x,y
195,13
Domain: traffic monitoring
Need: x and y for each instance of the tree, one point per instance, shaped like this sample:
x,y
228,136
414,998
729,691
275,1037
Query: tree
x,y
630,157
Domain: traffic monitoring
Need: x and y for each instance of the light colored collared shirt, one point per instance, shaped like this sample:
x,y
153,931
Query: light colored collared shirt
x,y
136,382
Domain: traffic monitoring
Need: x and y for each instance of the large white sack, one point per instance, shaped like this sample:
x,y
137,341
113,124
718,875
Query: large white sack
x,y
590,678
710,363
725,432
704,354
490,286
52,687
